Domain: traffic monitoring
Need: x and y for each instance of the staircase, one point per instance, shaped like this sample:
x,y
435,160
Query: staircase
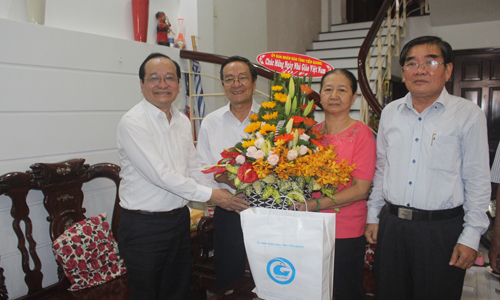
x,y
339,47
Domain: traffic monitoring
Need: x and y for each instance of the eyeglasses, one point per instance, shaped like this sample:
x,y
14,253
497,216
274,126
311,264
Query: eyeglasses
x,y
169,79
231,81
428,65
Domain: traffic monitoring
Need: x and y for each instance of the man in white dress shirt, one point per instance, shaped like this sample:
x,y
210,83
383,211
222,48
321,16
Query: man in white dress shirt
x,y
432,182
221,130
160,173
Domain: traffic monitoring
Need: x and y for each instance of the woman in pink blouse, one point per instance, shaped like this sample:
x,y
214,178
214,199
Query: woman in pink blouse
x,y
355,143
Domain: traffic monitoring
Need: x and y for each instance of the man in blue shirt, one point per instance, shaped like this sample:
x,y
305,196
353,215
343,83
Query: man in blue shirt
x,y
431,188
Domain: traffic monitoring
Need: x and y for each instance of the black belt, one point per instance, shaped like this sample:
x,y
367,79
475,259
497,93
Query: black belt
x,y
156,213
415,214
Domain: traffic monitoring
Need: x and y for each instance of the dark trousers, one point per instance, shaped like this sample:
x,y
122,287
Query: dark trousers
x,y
412,259
157,253
229,248
348,269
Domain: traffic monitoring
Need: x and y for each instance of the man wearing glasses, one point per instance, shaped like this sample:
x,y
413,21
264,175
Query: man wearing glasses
x,y
221,130
431,191
160,173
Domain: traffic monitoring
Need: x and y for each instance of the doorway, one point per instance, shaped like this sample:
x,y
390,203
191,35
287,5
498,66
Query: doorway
x,y
476,77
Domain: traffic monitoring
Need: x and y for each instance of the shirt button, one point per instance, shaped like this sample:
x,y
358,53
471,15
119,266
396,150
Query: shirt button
x,y
410,182
420,119
414,161
408,205
416,140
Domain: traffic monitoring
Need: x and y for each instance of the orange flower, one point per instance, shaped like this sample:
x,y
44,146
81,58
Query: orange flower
x,y
300,131
268,104
297,120
316,133
267,117
318,144
285,137
303,107
285,75
306,89
309,121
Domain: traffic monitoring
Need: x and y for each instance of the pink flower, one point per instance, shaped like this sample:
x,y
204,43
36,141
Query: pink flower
x,y
240,159
273,159
304,137
78,251
292,154
87,230
71,264
101,235
303,150
105,225
95,220
251,151
76,239
67,250
97,277
82,265
259,154
259,143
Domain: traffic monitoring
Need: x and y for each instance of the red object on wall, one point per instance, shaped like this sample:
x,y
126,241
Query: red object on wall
x,y
140,16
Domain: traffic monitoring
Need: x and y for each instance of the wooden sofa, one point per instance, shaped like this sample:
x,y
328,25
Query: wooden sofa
x,y
61,185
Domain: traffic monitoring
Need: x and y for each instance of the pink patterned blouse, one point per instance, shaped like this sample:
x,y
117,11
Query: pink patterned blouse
x,y
357,145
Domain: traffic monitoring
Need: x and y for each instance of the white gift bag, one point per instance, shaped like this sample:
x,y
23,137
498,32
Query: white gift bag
x,y
291,253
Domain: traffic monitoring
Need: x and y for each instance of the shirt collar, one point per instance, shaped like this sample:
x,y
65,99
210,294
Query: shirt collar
x,y
158,113
443,100
227,109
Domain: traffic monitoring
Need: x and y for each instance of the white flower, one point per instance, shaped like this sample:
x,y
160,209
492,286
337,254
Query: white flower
x,y
303,150
251,151
304,137
259,154
292,154
273,159
259,142
259,135
240,159
245,135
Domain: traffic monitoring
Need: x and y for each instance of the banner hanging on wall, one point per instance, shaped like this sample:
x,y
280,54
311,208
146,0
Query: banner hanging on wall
x,y
294,64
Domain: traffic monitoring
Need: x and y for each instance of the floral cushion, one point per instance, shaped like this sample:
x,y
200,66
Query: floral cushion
x,y
88,253
369,256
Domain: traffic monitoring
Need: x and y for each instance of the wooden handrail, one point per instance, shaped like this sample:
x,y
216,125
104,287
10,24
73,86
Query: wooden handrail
x,y
219,59
363,51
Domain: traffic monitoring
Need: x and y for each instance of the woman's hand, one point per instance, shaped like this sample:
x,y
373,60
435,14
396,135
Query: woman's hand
x,y
311,206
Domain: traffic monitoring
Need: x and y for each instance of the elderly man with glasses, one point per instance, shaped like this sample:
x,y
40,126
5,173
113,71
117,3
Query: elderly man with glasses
x,y
220,130
431,191
160,173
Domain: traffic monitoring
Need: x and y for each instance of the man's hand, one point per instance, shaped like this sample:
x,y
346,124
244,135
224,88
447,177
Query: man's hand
x,y
223,179
224,199
463,257
371,232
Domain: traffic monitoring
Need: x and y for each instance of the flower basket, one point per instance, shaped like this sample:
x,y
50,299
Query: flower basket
x,y
279,156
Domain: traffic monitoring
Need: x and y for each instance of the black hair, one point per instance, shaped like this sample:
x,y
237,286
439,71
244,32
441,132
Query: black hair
x,y
142,68
445,48
346,73
158,14
253,70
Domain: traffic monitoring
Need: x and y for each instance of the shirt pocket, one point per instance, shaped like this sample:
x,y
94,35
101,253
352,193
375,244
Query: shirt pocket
x,y
444,153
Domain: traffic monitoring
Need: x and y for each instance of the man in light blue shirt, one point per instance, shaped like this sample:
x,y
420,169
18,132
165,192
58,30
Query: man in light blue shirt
x,y
431,189
494,251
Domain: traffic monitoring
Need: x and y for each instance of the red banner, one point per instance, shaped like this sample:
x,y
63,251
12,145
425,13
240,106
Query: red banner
x,y
294,64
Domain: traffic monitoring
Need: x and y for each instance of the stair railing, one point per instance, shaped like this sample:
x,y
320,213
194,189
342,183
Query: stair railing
x,y
219,59
391,20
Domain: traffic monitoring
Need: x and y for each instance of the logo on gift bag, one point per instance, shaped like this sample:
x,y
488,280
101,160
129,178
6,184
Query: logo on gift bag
x,y
280,270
